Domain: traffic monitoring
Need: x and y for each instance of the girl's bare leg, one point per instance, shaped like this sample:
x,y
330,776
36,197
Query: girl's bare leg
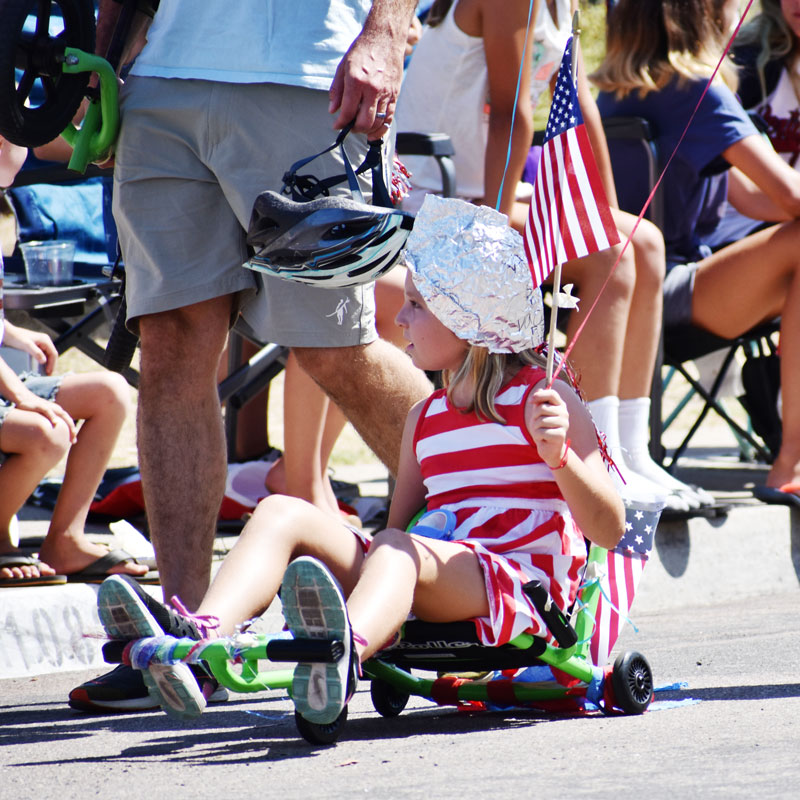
x,y
753,280
643,331
281,529
102,400
440,581
312,425
597,355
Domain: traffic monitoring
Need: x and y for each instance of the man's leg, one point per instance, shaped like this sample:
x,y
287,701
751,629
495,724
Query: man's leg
x,y
375,385
181,440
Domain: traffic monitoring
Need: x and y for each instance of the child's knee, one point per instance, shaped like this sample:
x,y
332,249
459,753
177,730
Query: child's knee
x,y
650,253
49,442
109,396
117,393
392,539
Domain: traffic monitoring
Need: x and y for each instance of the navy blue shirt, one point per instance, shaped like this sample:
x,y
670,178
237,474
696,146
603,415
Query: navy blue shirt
x,y
696,183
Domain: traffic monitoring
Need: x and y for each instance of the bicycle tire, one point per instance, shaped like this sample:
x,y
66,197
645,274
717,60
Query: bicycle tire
x,y
37,54
121,343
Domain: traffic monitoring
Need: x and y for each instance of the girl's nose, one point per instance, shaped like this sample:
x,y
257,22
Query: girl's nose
x,y
399,320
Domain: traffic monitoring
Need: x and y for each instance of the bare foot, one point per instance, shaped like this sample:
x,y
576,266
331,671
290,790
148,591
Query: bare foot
x,y
785,470
275,482
25,570
275,479
69,557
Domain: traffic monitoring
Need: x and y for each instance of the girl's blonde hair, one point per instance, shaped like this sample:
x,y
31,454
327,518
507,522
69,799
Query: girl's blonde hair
x,y
649,42
770,35
488,372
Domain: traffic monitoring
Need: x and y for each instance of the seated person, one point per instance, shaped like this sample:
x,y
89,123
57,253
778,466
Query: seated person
x,y
767,55
659,57
543,485
37,431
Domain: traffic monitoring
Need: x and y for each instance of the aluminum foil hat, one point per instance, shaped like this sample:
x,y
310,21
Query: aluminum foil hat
x,y
470,267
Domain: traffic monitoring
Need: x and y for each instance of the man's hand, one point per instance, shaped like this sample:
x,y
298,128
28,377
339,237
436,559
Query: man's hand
x,y
368,78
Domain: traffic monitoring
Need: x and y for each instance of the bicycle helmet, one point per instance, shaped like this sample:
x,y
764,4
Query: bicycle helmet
x,y
331,242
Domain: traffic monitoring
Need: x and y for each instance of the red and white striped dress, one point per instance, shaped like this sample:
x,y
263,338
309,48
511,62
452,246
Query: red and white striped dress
x,y
508,508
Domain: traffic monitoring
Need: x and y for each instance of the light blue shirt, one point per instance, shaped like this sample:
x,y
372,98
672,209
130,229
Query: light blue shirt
x,y
294,42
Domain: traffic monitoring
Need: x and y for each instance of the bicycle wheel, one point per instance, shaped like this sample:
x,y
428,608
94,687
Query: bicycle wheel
x,y
38,100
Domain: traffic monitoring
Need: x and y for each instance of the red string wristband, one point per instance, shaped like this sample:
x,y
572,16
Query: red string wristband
x,y
563,462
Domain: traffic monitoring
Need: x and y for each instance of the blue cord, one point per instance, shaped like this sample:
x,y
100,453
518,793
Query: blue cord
x,y
514,111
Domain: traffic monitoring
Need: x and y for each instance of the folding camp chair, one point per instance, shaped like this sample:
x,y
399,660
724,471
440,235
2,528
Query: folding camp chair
x,y
632,146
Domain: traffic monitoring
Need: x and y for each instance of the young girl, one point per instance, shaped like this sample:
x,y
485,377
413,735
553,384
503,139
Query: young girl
x,y
510,471
659,57
468,59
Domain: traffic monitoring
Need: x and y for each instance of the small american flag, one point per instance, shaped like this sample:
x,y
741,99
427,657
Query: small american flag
x,y
569,215
624,567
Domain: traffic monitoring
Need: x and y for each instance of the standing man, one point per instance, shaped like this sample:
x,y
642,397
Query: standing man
x,y
220,101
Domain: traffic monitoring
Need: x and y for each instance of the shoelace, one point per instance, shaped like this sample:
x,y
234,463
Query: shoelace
x,y
207,624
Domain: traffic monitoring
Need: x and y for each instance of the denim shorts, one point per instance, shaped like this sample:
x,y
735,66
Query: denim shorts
x,y
44,386
678,290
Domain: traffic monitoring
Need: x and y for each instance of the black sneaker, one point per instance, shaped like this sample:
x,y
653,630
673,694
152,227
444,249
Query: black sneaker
x,y
123,689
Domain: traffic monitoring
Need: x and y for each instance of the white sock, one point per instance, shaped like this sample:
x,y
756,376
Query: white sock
x,y
605,413
634,433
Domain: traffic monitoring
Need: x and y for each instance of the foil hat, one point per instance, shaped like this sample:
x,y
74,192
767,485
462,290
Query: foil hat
x,y
470,267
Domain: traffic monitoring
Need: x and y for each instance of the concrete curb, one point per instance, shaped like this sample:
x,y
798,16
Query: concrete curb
x,y
755,550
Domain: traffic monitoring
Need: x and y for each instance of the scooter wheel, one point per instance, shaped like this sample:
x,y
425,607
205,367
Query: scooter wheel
x,y
314,733
388,701
632,683
37,99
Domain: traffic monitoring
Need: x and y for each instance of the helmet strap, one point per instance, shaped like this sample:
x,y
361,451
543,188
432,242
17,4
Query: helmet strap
x,y
303,188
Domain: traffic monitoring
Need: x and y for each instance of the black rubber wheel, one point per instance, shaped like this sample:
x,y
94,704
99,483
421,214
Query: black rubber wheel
x,y
314,733
38,56
388,701
632,682
121,343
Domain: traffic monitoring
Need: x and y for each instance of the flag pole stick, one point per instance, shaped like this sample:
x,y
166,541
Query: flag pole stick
x,y
551,350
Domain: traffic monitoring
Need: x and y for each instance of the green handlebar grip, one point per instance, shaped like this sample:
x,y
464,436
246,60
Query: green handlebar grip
x,y
94,139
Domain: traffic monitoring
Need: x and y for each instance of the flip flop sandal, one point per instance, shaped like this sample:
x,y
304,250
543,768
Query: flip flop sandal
x,y
20,560
99,570
785,496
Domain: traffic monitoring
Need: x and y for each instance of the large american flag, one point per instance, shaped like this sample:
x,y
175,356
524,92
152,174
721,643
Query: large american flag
x,y
624,567
569,215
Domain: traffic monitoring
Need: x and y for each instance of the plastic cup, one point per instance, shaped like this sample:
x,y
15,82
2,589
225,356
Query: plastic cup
x,y
48,263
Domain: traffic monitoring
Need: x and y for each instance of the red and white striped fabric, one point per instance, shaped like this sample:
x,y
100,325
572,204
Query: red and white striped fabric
x,y
569,215
624,567
507,505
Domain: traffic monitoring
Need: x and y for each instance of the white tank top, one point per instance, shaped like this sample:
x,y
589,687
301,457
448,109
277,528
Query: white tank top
x,y
445,91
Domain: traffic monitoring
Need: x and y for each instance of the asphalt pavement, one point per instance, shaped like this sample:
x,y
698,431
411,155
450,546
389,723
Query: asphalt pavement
x,y
716,618
728,728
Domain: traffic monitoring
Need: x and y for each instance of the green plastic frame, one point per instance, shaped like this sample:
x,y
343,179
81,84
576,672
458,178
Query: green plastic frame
x,y
248,649
98,132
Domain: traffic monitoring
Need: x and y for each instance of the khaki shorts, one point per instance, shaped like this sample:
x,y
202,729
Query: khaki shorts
x,y
191,159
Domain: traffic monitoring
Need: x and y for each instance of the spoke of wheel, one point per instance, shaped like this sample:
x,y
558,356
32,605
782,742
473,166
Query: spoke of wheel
x,y
50,87
23,52
43,18
24,86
